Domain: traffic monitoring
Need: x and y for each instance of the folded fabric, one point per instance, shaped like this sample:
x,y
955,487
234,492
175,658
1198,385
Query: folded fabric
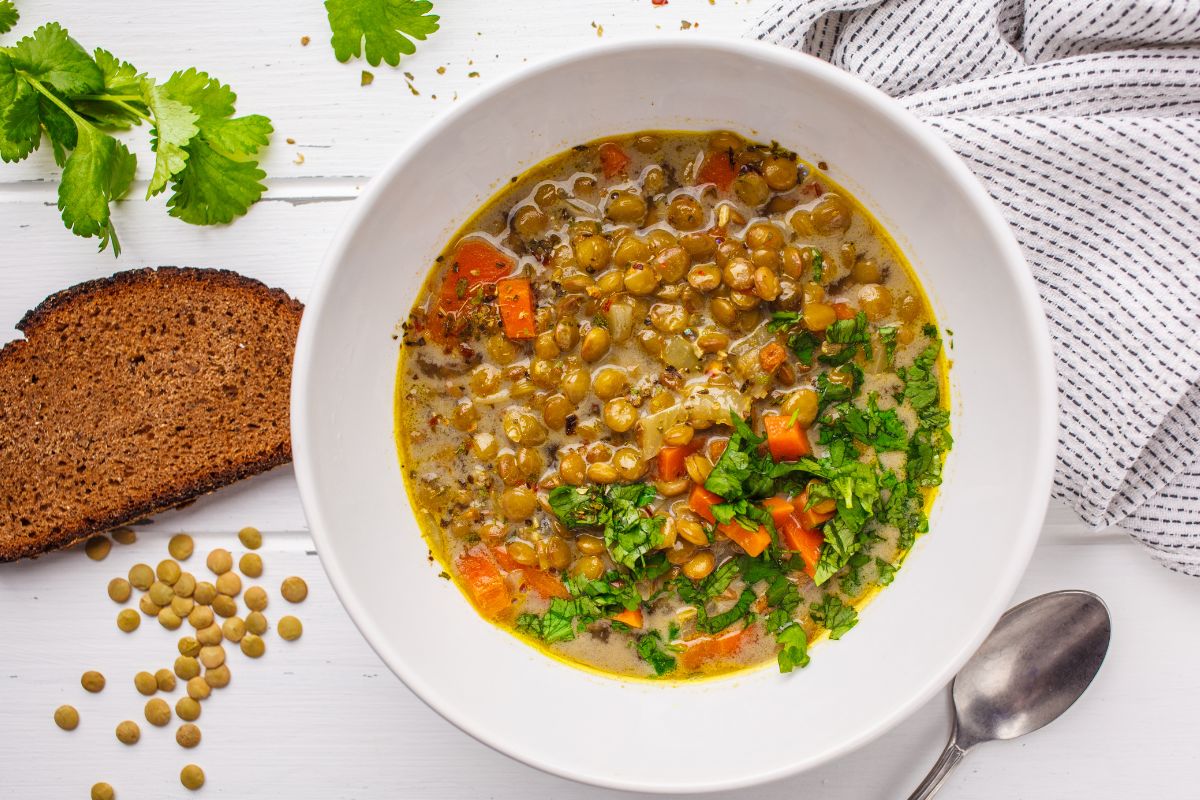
x,y
1083,121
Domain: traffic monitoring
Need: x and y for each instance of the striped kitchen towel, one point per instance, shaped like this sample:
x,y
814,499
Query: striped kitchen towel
x,y
1083,121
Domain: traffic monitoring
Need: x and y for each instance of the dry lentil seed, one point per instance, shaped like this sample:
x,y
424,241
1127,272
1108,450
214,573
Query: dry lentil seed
x,y
141,576
145,684
200,617
224,606
212,656
210,635
290,628
148,607
294,589
168,571
229,584
250,538
187,667
217,677
97,547
253,645
161,594
205,593
182,606
186,585
219,561
187,735
128,620
92,681
102,791
181,546
66,717
197,689
165,680
119,590
128,732
234,629
256,623
192,777
169,619
187,709
255,598
158,713
188,646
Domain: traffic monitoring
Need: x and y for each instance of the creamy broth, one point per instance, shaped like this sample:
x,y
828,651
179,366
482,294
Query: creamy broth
x,y
565,391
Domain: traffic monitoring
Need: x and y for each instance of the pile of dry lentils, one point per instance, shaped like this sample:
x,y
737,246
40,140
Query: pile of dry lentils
x,y
173,596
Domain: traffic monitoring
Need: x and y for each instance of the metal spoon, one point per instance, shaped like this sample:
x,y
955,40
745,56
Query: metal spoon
x,y
1034,664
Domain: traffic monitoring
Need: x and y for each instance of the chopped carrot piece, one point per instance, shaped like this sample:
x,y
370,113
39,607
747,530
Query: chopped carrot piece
x,y
631,618
779,509
786,440
805,541
542,582
716,447
515,296
753,542
844,311
712,648
717,168
702,500
484,582
771,357
613,159
475,262
671,460
812,517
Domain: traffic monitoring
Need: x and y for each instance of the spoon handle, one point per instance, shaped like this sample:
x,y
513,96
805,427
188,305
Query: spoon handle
x,y
937,776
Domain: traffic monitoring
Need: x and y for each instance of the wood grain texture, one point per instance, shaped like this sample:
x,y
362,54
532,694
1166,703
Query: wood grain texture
x,y
322,718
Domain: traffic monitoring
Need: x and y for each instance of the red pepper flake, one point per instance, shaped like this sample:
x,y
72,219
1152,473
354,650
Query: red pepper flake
x,y
660,2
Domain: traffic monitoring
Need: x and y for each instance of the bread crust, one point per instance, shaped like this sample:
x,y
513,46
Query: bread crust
x,y
174,491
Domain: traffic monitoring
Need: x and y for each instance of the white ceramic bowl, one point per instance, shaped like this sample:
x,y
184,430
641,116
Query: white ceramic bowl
x,y
752,726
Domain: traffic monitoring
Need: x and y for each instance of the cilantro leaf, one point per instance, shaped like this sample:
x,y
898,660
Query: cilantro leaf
x,y
905,508
719,622
882,430
8,16
221,179
650,650
920,383
174,127
836,391
887,335
119,78
831,613
818,265
793,648
853,334
741,471
98,171
628,535
56,61
885,572
384,26
801,342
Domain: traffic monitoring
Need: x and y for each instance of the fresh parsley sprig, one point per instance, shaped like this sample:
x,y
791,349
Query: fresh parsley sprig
x,y
50,87
8,16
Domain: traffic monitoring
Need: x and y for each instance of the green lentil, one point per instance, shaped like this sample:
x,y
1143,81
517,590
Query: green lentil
x,y
92,680
128,732
294,589
192,777
181,546
97,547
250,537
145,683
187,709
128,620
158,713
119,590
141,576
290,628
188,735
251,565
66,717
256,623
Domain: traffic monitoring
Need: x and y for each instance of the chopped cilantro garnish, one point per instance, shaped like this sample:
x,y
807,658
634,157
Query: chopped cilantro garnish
x,y
628,535
885,572
833,614
649,647
818,265
887,335
853,334
882,430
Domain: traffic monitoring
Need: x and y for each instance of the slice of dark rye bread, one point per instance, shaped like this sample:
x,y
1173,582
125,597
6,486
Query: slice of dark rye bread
x,y
135,393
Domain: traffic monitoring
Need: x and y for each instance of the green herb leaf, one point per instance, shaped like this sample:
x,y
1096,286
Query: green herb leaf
x,y
834,615
887,335
8,16
56,61
628,535
793,650
384,26
98,171
853,334
818,265
175,125
920,382
650,650
885,572
739,610
882,430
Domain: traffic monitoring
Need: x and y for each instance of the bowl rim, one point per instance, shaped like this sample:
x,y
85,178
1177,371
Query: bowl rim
x,y
1029,306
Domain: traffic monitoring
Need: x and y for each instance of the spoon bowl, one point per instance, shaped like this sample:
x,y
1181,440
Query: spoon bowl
x,y
1032,667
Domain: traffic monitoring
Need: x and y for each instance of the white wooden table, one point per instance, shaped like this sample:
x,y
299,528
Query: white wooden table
x,y
323,718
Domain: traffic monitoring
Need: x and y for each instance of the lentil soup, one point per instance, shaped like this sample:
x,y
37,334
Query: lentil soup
x,y
672,404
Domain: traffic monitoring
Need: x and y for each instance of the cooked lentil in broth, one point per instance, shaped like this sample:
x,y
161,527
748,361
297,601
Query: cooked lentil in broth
x,y
671,404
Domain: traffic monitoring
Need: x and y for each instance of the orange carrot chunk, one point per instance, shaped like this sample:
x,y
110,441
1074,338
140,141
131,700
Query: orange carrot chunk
x,y
515,297
812,517
786,440
542,582
702,500
844,311
613,159
631,618
779,509
484,583
753,542
717,168
671,460
771,357
805,541
475,262
713,648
